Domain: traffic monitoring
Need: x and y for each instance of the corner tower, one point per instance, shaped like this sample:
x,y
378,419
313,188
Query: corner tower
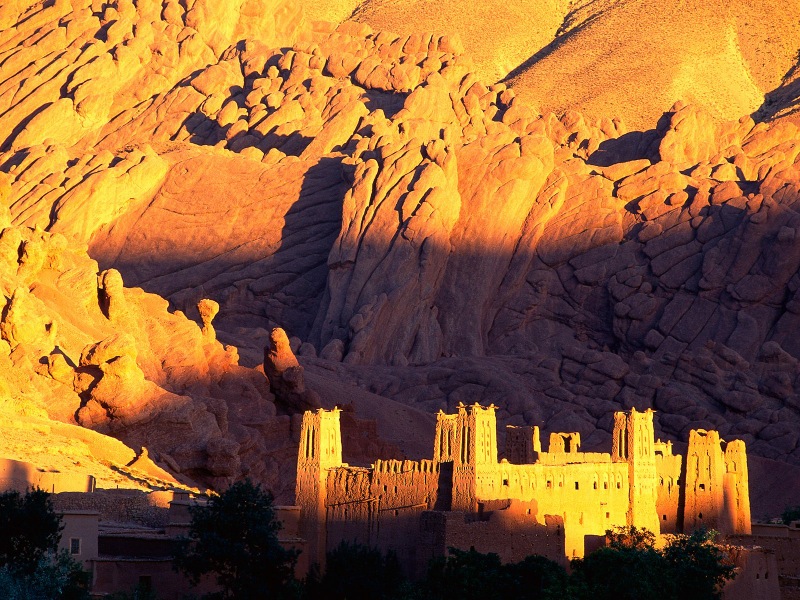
x,y
633,442
737,488
320,451
717,495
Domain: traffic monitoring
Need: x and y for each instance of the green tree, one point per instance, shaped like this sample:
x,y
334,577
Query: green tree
x,y
699,568
30,529
539,578
31,567
690,567
357,572
235,537
629,568
792,513
467,575
472,575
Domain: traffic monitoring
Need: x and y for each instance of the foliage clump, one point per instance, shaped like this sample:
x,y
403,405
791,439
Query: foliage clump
x,y
31,567
235,538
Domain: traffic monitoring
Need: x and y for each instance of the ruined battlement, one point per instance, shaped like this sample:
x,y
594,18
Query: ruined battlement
x,y
566,458
405,466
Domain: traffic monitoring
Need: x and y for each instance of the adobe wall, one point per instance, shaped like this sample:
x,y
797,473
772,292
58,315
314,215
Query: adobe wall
x,y
756,575
787,550
510,533
81,525
20,476
639,483
320,451
736,488
717,488
523,444
114,575
669,501
380,506
590,497
633,441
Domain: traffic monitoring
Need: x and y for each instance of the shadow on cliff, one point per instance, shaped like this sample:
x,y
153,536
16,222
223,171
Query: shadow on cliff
x,y
786,96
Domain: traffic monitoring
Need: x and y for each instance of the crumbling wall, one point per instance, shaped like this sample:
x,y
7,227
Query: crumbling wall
x,y
118,506
717,492
756,574
320,451
523,444
669,502
380,506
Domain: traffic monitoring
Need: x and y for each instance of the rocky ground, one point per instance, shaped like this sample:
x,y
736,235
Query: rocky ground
x,y
424,236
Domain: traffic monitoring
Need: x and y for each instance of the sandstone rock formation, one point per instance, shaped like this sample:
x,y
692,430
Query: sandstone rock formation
x,y
286,376
420,235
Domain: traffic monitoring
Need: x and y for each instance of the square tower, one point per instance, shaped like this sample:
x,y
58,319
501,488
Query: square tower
x,y
320,451
633,442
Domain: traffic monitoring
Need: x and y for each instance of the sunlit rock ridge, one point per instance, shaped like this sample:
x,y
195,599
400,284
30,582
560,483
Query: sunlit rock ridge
x,y
423,233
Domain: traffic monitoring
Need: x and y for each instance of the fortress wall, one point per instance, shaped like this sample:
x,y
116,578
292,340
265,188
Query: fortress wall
x,y
116,506
381,506
756,574
705,469
787,556
737,488
510,533
522,444
565,458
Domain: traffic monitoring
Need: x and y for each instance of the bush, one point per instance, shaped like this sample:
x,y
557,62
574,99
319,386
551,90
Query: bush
x,y
30,529
699,568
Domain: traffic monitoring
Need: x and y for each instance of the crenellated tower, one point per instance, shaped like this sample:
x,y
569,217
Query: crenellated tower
x,y
737,489
717,495
705,480
320,451
474,454
633,442
523,444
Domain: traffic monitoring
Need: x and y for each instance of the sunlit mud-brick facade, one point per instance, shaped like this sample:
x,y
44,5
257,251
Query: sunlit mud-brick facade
x,y
553,499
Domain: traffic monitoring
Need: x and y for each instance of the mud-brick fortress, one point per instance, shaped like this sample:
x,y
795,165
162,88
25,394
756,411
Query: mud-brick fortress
x,y
552,503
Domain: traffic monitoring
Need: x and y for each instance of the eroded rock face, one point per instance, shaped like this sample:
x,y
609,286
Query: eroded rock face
x,y
419,234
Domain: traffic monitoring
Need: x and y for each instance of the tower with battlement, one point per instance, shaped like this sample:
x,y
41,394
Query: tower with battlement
x,y
523,444
474,454
717,494
320,452
633,442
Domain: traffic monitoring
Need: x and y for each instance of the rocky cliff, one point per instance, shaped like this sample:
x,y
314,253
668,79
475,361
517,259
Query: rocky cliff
x,y
423,235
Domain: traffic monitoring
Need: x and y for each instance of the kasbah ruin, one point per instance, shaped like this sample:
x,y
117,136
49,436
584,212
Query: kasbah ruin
x,y
557,503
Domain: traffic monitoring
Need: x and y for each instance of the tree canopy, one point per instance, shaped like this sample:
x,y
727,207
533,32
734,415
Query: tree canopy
x,y
689,567
30,527
235,538
31,567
